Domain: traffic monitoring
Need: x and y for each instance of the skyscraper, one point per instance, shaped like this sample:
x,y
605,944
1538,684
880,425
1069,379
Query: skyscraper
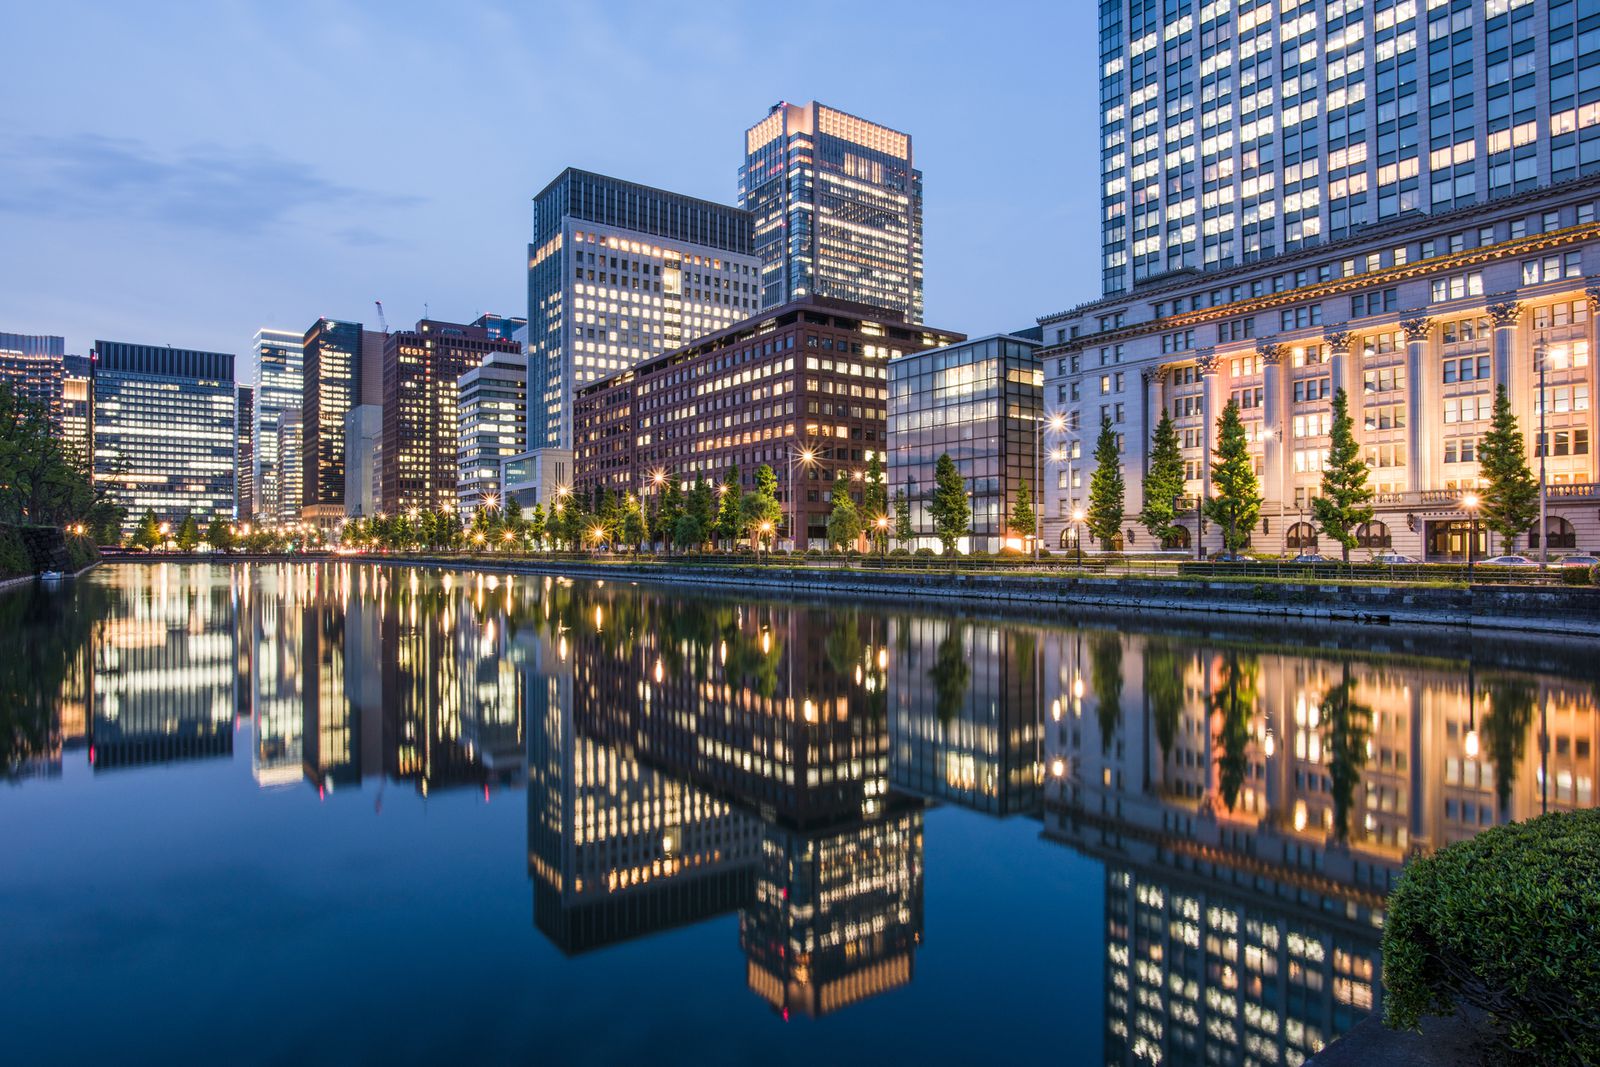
x,y
290,433
1398,201
77,407
492,404
244,450
164,436
837,206
279,387
617,273
420,370
331,378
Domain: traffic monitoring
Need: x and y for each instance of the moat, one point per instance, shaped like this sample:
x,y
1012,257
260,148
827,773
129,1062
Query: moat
x,y
344,812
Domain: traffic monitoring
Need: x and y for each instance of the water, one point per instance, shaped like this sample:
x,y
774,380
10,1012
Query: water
x,y
343,813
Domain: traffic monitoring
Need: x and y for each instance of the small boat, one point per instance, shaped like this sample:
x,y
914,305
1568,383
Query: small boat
x,y
50,576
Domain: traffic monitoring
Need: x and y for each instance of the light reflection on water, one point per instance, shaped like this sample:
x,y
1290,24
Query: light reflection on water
x,y
1243,798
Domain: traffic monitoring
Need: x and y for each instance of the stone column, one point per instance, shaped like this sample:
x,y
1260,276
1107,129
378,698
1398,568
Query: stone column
x,y
1152,402
1593,294
1208,364
1505,314
1337,339
1273,423
1419,393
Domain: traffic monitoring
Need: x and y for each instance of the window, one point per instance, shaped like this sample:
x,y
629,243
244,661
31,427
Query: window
x,y
1312,389
1237,330
1180,341
1552,268
1477,408
1300,318
1457,286
1460,450
1374,303
1466,369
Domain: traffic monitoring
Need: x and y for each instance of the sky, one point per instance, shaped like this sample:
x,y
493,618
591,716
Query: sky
x,y
185,174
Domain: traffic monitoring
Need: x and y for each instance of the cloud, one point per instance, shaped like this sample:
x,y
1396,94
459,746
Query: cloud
x,y
206,187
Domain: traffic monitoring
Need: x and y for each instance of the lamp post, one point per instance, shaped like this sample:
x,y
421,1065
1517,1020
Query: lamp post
x,y
1077,522
1056,423
882,523
1541,354
1470,503
765,530
804,456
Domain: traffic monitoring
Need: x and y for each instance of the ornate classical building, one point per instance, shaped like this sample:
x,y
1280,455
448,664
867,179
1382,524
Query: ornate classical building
x,y
1418,320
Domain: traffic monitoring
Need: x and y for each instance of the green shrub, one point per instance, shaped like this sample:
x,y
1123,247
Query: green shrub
x,y
1508,922
900,552
1576,576
924,552
813,552
1594,574
81,551
14,559
1044,553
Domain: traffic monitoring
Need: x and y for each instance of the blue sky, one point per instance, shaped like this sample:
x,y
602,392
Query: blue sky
x,y
184,173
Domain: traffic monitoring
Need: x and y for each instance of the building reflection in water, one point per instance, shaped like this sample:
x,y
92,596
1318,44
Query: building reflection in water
x,y
1252,803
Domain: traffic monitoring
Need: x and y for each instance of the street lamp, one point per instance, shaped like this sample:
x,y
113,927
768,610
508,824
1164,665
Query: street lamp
x,y
1077,522
1470,501
766,533
805,456
1541,354
882,523
1056,423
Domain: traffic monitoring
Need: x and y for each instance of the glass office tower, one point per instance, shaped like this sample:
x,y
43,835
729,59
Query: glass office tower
x,y
331,364
617,273
164,430
1235,131
279,385
837,202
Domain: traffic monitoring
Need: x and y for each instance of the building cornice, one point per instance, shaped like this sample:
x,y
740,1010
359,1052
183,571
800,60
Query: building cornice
x,y
1466,258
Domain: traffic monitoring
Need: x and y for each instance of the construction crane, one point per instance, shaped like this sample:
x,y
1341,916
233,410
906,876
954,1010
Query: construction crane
x,y
382,321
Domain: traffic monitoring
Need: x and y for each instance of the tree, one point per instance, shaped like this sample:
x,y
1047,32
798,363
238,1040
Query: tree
x,y
635,528
43,481
516,522
874,491
1346,500
701,513
952,513
844,521
903,531
727,521
688,531
188,534
1510,494
536,526
1163,483
759,515
218,535
148,533
1235,504
1106,488
1022,518
668,510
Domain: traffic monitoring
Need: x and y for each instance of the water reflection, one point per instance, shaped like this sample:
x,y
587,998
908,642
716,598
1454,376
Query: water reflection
x,y
1251,801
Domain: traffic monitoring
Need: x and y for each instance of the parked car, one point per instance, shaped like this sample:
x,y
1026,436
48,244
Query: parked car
x,y
1395,559
1508,561
1580,559
1311,557
1230,557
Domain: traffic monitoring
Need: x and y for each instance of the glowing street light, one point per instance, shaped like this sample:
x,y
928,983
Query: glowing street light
x,y
882,523
1471,502
1077,521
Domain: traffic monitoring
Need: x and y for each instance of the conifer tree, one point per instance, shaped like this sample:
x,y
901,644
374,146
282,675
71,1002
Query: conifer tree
x,y
950,509
1106,488
1235,504
1510,493
1163,483
1346,500
1022,517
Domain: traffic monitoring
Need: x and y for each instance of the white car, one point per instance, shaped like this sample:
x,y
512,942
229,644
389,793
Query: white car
x,y
1394,559
1508,561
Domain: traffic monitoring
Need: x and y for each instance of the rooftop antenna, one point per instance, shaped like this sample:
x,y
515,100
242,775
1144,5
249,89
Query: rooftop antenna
x,y
424,309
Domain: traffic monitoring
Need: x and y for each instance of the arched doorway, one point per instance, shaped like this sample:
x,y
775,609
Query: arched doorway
x,y
1373,535
1178,538
1560,531
1302,535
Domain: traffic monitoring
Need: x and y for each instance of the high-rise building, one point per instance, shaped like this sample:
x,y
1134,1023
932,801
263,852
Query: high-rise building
x,y
279,387
420,370
802,388
501,327
980,402
290,433
1385,201
34,377
164,436
492,423
837,208
363,454
77,405
244,450
333,367
618,273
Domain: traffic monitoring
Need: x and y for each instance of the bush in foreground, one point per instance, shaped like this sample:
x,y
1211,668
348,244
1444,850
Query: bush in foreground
x,y
1576,576
1507,922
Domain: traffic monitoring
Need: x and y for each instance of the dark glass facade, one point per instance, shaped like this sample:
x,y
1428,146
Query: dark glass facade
x,y
164,431
980,401
332,353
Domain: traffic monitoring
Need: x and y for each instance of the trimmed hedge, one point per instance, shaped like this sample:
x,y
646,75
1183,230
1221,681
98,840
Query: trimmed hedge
x,y
1507,922
1576,576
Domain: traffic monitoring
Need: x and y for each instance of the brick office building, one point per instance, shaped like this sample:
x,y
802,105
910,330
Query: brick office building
x,y
801,387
